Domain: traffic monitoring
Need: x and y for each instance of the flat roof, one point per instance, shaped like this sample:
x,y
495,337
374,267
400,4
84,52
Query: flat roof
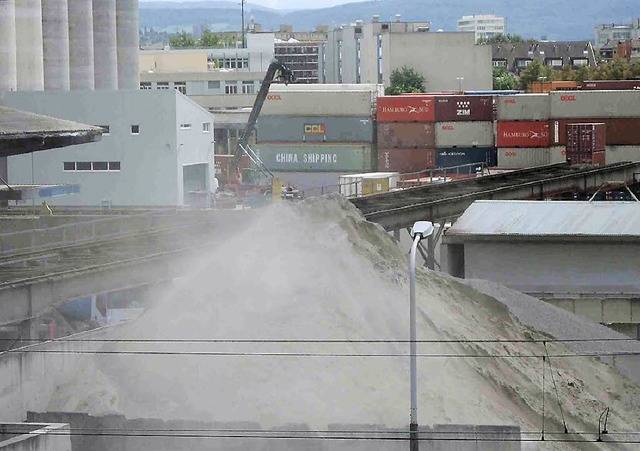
x,y
548,219
24,132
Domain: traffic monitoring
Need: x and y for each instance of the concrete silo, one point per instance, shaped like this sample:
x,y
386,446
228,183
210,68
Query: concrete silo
x,y
128,39
81,44
105,44
55,42
29,53
8,75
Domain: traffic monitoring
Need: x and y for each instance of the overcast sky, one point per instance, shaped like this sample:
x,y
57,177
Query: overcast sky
x,y
286,4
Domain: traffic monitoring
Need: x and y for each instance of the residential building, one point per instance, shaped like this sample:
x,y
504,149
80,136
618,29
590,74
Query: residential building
x,y
518,56
629,50
302,57
605,33
368,53
483,25
156,148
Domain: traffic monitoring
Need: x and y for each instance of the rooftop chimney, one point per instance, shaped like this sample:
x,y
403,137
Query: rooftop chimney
x,y
376,18
398,17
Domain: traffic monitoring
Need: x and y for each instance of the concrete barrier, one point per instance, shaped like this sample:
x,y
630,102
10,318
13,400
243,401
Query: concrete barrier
x,y
34,437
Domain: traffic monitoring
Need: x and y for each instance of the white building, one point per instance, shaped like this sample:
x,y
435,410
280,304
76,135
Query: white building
x,y
156,149
483,25
607,33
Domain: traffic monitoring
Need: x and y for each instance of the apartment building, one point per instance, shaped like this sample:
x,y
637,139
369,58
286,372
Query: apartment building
x,y
483,25
518,56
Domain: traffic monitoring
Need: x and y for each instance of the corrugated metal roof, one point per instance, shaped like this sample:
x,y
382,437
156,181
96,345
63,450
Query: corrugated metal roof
x,y
543,218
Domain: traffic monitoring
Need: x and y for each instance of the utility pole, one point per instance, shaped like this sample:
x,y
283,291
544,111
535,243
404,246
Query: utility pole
x,y
244,44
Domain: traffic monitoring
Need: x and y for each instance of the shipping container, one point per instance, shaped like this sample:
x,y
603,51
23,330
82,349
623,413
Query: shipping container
x,y
406,108
620,132
355,185
599,158
588,138
517,158
311,182
558,154
594,104
617,154
523,134
548,86
319,103
464,108
612,85
464,134
375,89
524,107
406,160
406,135
314,129
315,157
450,157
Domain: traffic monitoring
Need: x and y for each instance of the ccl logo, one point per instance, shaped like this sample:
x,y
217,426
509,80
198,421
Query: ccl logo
x,y
511,101
568,98
510,153
315,129
274,97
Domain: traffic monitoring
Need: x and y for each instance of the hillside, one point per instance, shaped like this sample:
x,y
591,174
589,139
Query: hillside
x,y
543,18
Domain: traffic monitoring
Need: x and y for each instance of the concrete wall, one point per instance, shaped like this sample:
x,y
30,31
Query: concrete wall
x,y
35,437
105,44
81,70
55,42
173,61
29,53
128,41
8,74
148,161
563,267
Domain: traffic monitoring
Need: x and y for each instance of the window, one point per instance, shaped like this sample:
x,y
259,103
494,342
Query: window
x,y
231,89
163,85
181,86
499,63
88,166
114,165
523,62
145,85
100,166
69,165
83,166
248,87
206,127
135,129
580,62
185,126
554,62
214,85
105,129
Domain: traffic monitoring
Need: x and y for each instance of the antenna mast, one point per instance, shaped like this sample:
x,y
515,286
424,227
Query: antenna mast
x,y
243,38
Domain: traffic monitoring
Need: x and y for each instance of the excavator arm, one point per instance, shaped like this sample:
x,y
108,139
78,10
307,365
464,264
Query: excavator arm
x,y
277,72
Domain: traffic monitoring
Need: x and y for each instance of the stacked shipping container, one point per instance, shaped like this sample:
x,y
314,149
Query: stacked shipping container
x,y
406,133
586,143
304,129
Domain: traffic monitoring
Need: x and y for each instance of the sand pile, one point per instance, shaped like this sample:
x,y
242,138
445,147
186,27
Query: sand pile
x,y
317,270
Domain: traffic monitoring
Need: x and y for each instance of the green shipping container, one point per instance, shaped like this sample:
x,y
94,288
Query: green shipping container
x,y
315,157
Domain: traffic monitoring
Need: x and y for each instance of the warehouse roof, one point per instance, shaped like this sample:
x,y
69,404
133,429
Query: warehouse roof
x,y
23,132
548,219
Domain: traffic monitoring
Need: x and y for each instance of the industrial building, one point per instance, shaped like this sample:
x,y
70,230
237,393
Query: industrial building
x,y
581,256
156,149
368,53
483,25
68,44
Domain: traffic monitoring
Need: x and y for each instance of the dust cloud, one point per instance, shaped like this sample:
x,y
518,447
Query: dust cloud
x,y
318,271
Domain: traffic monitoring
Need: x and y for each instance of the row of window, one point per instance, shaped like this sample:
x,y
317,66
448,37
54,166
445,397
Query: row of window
x,y
102,166
231,87
553,62
135,129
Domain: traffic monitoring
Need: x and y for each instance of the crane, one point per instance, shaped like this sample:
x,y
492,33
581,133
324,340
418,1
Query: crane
x,y
277,72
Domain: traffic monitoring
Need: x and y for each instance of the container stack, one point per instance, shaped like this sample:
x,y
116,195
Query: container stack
x,y
326,129
464,130
586,143
406,133
523,132
618,110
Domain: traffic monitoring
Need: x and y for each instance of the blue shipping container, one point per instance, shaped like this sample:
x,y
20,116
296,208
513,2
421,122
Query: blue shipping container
x,y
457,156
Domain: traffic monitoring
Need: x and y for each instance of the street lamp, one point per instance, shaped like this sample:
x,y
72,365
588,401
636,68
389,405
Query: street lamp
x,y
459,83
419,231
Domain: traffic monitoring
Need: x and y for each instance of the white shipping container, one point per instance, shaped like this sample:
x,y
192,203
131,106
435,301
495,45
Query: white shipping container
x,y
594,104
617,154
319,103
351,184
369,87
517,158
558,154
465,134
524,107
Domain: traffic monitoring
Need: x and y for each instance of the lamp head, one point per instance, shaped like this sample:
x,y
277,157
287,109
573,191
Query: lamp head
x,y
423,229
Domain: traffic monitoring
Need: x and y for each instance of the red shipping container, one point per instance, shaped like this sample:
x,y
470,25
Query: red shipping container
x,y
620,131
612,85
586,137
598,158
406,135
406,160
523,134
415,108
464,108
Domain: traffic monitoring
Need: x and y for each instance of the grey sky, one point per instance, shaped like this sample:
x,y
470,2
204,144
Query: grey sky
x,y
287,4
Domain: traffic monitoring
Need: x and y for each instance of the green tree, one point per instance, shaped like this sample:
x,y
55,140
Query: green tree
x,y
182,40
536,71
502,38
503,80
406,80
210,39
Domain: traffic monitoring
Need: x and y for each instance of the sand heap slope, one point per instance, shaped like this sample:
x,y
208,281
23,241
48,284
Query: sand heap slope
x,y
318,271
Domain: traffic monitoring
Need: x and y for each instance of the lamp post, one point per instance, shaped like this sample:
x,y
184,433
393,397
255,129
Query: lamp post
x,y
459,83
419,231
